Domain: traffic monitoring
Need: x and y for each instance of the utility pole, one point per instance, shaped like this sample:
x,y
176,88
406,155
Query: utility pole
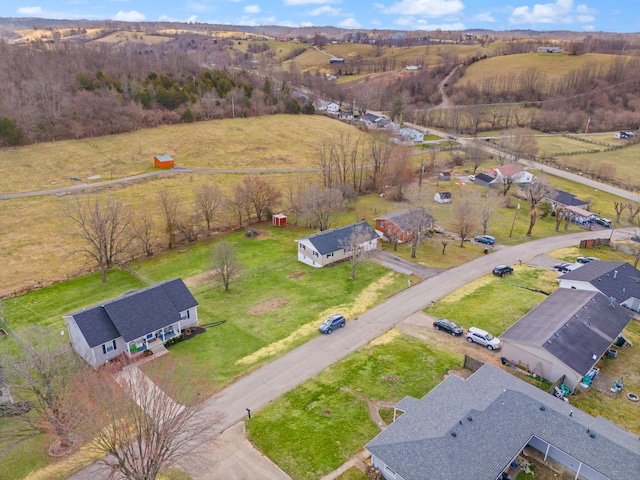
x,y
514,219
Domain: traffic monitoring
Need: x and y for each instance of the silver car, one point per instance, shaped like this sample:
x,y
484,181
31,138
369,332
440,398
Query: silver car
x,y
483,338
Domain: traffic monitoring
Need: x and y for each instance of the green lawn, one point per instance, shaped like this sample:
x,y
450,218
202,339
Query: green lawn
x,y
494,303
315,428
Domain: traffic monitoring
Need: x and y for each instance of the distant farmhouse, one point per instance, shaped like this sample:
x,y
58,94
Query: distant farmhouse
x,y
551,50
330,246
474,429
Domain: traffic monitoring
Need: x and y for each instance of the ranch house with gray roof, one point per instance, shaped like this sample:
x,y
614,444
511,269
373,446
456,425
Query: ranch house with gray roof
x,y
131,322
330,246
473,429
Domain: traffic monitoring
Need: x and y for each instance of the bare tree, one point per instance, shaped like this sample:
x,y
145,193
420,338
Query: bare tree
x,y
559,212
238,203
420,223
103,226
634,210
43,372
143,426
262,196
358,246
381,150
465,217
619,207
143,227
476,157
169,208
208,199
507,183
188,225
319,206
535,193
225,263
488,206
399,171
517,144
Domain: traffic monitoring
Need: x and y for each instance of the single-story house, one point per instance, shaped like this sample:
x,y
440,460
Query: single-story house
x,y
163,161
330,246
513,171
581,216
618,280
131,322
413,134
566,334
564,199
485,180
442,197
474,429
550,50
402,223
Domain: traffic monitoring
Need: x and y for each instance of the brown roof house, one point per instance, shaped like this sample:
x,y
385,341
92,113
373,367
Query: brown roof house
x,y
403,223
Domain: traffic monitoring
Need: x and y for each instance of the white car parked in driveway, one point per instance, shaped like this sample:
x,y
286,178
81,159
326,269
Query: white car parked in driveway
x,y
483,338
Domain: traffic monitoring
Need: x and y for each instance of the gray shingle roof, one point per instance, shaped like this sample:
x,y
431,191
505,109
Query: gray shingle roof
x,y
572,325
405,219
493,415
333,240
566,198
483,177
615,279
135,313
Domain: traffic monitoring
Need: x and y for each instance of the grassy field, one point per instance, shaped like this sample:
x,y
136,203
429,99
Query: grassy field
x,y
493,303
266,143
553,66
281,312
316,427
552,145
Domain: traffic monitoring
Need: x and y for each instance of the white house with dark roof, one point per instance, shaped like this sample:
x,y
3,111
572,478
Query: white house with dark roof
x,y
330,246
566,334
473,429
617,280
129,323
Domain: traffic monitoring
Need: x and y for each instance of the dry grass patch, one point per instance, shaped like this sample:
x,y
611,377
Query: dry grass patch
x,y
385,338
366,298
267,306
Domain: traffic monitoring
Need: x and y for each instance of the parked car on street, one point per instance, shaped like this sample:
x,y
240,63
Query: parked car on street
x,y
331,323
502,270
586,259
484,338
448,326
487,239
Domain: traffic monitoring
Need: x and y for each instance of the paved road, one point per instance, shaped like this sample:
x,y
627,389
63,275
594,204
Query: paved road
x,y
269,382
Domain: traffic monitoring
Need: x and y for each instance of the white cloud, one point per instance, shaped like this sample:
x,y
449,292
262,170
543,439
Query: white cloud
x,y
30,10
306,2
325,10
306,24
199,7
251,9
562,12
425,8
349,23
412,23
484,17
131,16
588,28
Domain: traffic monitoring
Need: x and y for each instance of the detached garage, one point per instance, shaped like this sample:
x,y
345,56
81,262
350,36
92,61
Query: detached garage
x,y
163,161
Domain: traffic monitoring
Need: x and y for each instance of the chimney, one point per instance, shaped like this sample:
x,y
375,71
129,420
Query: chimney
x,y
615,273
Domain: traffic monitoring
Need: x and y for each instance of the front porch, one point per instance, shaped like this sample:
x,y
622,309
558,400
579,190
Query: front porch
x,y
154,341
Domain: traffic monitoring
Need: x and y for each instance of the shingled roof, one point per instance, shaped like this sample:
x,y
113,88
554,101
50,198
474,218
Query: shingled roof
x,y
406,219
493,416
615,279
572,325
135,313
332,240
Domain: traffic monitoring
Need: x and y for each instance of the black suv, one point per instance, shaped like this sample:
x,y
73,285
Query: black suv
x,y
502,270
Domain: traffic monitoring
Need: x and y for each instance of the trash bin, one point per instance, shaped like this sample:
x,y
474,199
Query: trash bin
x,y
612,353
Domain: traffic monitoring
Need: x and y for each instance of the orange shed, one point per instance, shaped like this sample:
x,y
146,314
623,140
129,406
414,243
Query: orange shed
x,y
163,161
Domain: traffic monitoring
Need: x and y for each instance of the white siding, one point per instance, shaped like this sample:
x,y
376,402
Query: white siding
x,y
577,284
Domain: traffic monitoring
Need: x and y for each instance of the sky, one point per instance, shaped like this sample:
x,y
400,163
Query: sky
x,y
582,16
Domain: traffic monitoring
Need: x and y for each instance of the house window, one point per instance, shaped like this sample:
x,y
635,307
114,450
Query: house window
x,y
382,224
391,472
316,254
302,247
108,347
329,254
184,315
